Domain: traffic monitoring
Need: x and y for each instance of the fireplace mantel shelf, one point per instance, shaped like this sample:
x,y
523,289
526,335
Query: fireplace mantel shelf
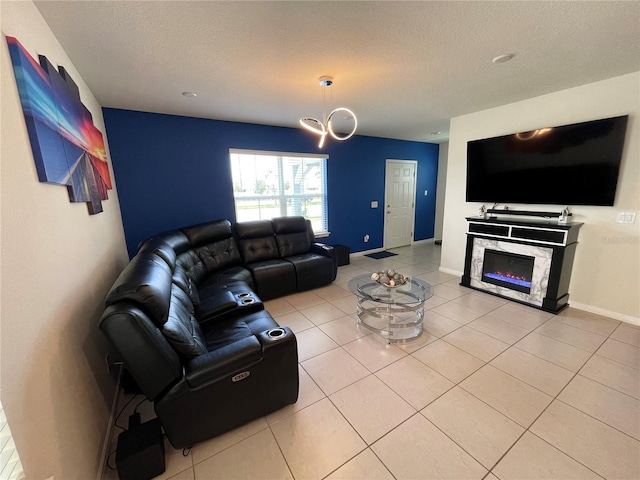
x,y
541,232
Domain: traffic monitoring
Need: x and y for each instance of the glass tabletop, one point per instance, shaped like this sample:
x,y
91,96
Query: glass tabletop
x,y
412,292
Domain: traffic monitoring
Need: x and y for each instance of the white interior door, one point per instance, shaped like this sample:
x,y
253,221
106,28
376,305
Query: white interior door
x,y
400,201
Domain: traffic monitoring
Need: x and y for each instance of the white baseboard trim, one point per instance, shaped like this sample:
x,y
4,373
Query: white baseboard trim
x,y
104,457
605,313
578,306
376,250
366,252
426,241
450,271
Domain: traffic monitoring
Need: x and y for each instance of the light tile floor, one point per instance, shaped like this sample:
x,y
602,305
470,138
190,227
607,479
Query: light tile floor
x,y
492,389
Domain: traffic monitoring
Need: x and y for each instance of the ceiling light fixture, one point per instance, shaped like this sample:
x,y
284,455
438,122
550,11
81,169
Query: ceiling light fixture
x,y
189,94
323,128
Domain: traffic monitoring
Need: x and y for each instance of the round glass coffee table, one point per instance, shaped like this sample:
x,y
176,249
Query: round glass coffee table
x,y
396,313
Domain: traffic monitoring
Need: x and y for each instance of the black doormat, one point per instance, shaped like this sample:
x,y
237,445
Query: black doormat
x,y
378,255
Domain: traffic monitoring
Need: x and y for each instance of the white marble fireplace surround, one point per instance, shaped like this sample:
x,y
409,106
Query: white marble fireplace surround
x,y
539,278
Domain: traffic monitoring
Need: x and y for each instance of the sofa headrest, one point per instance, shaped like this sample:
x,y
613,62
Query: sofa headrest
x,y
174,238
291,236
160,248
146,281
209,232
255,229
285,225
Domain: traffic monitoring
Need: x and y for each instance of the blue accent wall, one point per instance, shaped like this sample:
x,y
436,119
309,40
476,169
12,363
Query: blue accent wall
x,y
174,171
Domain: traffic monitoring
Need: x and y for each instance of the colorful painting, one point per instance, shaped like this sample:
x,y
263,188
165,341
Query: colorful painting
x,y
67,148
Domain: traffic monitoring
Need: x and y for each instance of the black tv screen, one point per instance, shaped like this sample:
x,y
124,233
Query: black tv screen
x,y
574,164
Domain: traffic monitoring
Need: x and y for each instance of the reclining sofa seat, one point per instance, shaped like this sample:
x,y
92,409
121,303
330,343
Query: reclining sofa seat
x,y
204,378
283,256
316,264
274,276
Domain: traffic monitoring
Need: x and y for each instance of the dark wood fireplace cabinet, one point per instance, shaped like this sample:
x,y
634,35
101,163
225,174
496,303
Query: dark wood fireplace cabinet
x,y
527,261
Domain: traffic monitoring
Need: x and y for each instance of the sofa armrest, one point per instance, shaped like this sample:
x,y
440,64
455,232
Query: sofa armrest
x,y
327,251
223,361
322,249
215,306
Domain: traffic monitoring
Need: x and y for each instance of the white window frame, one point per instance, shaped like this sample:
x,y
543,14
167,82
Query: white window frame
x,y
320,225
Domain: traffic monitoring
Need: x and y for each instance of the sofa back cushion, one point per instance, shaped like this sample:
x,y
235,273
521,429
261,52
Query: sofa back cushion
x,y
182,329
292,236
146,282
256,241
212,248
184,281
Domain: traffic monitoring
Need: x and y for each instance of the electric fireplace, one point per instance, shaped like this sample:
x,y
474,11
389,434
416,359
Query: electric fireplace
x,y
523,260
507,269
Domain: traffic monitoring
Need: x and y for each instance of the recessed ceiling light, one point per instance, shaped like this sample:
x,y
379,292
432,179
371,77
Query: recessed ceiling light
x,y
503,58
189,94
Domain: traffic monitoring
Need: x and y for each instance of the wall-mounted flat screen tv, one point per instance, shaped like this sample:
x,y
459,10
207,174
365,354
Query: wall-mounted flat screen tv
x,y
574,164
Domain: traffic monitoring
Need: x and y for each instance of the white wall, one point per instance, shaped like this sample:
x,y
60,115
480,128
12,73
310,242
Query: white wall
x,y
606,271
58,262
443,154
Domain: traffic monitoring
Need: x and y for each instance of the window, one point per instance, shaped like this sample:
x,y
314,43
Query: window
x,y
274,184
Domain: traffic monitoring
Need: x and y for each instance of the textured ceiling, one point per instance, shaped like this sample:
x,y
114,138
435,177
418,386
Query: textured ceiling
x,y
405,68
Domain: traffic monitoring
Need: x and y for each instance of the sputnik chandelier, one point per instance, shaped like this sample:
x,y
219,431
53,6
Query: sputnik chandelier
x,y
323,128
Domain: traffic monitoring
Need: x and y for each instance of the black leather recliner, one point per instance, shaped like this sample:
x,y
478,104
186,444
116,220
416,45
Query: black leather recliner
x,y
273,275
283,256
189,328
204,378
315,263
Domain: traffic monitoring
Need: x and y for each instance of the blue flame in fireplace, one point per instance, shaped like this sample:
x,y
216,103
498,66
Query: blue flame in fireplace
x,y
509,279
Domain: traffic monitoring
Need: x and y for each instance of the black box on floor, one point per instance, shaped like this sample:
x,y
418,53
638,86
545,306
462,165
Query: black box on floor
x,y
342,252
140,452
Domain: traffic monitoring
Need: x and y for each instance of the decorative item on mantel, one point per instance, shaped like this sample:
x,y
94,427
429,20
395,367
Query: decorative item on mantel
x,y
564,216
389,278
67,148
325,127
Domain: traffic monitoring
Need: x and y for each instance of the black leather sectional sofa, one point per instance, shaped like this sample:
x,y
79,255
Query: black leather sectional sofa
x,y
186,318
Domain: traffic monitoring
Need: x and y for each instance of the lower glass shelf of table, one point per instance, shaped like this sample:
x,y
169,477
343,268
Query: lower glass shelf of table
x,y
396,313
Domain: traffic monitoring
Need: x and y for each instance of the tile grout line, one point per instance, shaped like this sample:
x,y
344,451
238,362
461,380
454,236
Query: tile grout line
x,y
546,408
418,411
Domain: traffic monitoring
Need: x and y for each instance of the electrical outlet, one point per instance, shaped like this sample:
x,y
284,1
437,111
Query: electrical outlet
x,y
626,217
366,238
374,204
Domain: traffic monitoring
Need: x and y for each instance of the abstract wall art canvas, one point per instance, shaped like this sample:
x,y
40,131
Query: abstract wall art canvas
x,y
67,147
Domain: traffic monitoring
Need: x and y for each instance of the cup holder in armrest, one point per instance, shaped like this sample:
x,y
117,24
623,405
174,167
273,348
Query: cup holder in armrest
x,y
246,298
275,333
